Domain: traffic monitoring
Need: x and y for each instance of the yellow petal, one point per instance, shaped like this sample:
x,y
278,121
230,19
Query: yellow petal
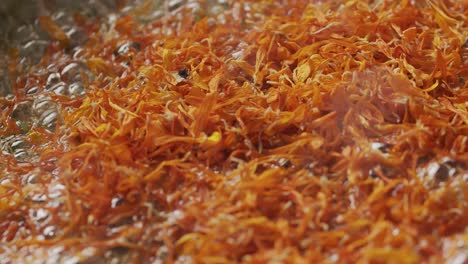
x,y
302,72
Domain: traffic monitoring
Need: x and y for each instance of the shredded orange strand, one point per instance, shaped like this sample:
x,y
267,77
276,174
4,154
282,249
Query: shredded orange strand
x,y
242,132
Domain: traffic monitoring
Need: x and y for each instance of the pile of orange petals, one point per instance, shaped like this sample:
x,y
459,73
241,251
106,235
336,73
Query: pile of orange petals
x,y
249,131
